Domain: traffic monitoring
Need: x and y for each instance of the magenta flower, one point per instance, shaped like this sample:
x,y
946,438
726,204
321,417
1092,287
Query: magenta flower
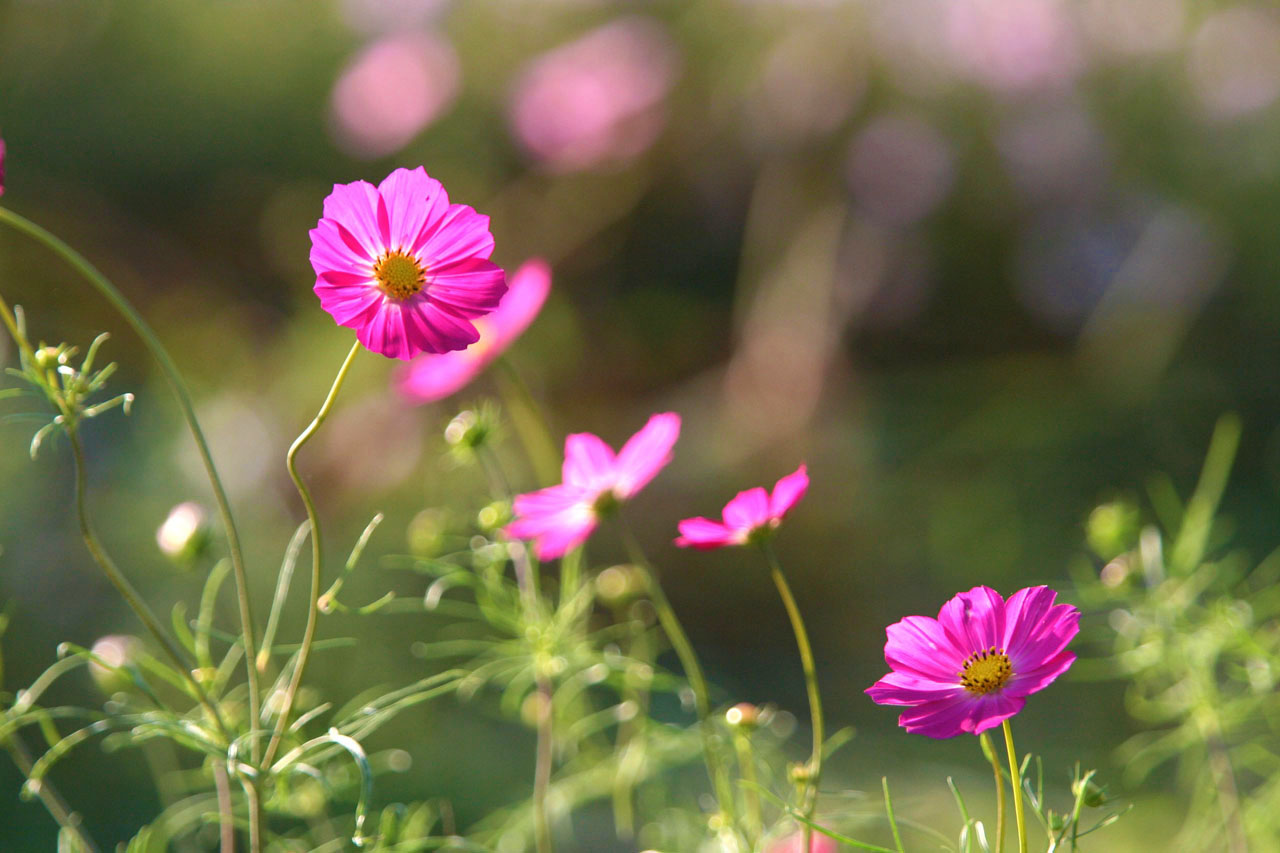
x,y
432,377
751,515
596,481
973,667
403,267
794,843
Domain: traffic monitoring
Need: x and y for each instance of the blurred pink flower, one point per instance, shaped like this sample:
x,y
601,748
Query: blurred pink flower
x,y
972,668
1013,45
598,99
751,514
795,843
595,482
432,377
391,91
1234,62
403,267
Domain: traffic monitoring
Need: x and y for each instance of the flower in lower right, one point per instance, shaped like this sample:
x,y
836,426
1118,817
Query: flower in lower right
x,y
972,668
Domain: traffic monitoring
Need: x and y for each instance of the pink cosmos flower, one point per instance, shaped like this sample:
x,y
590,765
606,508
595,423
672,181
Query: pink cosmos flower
x,y
750,515
432,377
403,267
972,668
596,480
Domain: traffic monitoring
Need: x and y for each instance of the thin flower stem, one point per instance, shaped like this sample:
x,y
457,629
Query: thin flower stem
x,y
888,810
1015,779
989,750
543,764
179,388
126,590
53,802
692,670
313,610
226,825
750,794
811,684
531,423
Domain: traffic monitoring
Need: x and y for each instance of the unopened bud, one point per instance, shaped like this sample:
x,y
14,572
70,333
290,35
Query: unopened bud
x,y
743,715
115,651
184,535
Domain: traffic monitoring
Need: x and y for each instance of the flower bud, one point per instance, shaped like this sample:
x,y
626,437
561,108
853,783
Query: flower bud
x,y
184,535
114,650
744,715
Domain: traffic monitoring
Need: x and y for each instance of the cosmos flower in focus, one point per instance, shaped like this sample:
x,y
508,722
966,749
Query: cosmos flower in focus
x,y
595,482
404,268
433,377
752,514
973,667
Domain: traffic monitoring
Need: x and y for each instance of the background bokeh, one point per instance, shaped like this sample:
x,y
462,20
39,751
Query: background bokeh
x,y
981,263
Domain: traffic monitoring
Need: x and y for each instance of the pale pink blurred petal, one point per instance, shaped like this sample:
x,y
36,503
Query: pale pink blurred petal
x,y
748,510
646,453
588,461
788,491
704,534
598,99
391,91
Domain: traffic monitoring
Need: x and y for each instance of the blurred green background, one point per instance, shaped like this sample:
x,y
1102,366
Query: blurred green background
x,y
980,263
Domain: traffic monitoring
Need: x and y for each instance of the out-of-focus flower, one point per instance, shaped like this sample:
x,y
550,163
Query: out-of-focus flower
x,y
595,482
794,843
972,668
391,91
597,100
403,267
1134,27
432,377
116,651
1013,45
899,169
1234,62
751,515
184,533
372,17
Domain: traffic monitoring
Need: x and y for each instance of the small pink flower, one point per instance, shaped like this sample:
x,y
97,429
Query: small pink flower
x,y
972,668
432,377
595,481
750,515
819,843
403,267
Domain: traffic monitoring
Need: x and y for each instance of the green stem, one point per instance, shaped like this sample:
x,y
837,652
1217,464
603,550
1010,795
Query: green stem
x,y
543,764
531,423
126,590
692,670
179,388
990,751
313,611
751,796
810,802
1015,778
53,802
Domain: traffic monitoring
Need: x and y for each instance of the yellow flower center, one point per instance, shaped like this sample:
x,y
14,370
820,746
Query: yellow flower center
x,y
399,275
986,671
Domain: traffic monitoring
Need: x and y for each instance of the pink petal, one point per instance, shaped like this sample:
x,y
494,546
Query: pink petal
x,y
432,377
788,491
557,518
975,619
747,510
919,645
705,534
459,235
469,289
966,715
384,332
350,306
353,208
409,201
527,290
434,330
588,462
898,688
1040,677
330,253
646,453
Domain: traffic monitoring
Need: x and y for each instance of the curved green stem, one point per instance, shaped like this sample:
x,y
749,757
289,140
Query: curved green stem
x,y
313,611
990,751
179,388
53,802
692,670
128,593
1015,778
811,685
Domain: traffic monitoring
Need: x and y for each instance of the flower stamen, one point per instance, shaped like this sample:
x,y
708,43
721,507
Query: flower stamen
x,y
986,671
399,275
